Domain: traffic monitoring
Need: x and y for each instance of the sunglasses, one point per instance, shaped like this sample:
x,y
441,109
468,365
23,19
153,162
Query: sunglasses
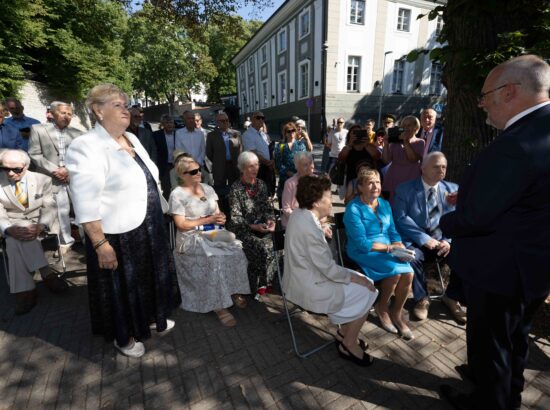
x,y
15,170
259,117
193,171
289,131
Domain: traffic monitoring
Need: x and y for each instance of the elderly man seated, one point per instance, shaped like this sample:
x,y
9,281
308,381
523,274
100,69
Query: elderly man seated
x,y
418,206
27,209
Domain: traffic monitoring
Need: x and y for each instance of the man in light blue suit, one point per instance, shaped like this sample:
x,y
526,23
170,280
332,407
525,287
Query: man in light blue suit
x,y
418,206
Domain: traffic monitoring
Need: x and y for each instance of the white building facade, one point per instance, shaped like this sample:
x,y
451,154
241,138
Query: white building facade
x,y
322,59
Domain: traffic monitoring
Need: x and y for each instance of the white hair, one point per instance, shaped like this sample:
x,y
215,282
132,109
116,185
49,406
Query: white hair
x,y
58,104
302,155
432,155
23,156
532,72
245,158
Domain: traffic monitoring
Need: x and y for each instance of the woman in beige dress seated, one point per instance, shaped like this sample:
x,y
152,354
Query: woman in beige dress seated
x,y
210,263
314,281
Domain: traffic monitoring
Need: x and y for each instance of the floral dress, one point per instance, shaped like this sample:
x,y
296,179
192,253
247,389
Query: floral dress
x,y
249,205
207,275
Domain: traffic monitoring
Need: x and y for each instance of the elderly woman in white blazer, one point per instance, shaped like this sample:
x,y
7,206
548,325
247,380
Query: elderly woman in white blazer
x,y
116,195
314,281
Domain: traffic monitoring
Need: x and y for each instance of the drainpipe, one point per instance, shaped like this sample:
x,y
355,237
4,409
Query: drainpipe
x,y
324,70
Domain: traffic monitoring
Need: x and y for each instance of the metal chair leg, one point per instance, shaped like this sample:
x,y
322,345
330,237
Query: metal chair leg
x,y
440,275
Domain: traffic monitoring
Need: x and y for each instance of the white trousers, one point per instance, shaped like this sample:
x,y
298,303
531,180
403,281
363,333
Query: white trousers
x,y
24,257
63,210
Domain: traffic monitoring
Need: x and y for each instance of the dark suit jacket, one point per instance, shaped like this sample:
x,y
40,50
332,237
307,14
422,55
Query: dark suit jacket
x,y
436,144
215,152
501,226
162,152
145,136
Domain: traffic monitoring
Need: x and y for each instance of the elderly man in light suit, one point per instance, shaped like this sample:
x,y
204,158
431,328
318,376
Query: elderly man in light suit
x,y
417,208
47,147
27,209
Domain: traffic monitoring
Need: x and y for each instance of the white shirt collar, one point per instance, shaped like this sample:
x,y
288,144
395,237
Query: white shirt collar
x,y
427,187
522,114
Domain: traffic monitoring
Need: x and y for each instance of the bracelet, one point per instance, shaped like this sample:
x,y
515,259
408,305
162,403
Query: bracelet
x,y
101,242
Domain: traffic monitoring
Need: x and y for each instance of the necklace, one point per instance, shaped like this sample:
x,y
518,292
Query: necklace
x,y
250,189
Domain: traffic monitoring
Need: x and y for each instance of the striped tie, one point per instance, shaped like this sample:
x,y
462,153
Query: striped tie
x,y
21,195
433,215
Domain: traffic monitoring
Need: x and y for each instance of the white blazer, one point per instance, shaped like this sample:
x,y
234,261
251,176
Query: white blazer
x,y
106,183
311,277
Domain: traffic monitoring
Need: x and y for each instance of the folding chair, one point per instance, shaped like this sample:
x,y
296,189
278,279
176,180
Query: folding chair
x,y
279,245
437,262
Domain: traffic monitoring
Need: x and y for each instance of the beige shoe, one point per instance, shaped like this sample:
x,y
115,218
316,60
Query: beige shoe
x,y
421,309
457,311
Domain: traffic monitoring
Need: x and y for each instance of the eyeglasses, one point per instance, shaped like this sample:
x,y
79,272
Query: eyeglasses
x,y
481,96
340,122
259,117
290,131
14,170
193,171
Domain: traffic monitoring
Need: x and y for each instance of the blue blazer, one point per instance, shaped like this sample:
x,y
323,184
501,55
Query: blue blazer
x,y
10,137
436,144
410,212
501,225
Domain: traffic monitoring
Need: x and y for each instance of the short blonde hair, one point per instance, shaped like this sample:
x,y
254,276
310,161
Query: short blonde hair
x,y
367,175
410,119
183,163
101,94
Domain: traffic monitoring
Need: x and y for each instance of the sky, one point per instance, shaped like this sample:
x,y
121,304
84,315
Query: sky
x,y
251,12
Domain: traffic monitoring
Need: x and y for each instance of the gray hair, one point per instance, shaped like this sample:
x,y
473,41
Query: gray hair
x,y
302,155
23,156
197,115
531,71
432,155
58,104
166,118
245,158
101,94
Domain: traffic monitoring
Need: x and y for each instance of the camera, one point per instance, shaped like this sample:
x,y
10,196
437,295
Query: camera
x,y
393,135
361,135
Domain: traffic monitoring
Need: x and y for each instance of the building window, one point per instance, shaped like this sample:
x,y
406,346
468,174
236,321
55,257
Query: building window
x,y
397,79
281,39
252,98
435,79
263,54
251,64
303,79
357,12
282,87
439,25
352,80
304,23
242,71
264,94
404,20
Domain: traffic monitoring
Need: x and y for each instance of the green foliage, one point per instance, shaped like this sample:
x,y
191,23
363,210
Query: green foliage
x,y
225,39
22,30
164,60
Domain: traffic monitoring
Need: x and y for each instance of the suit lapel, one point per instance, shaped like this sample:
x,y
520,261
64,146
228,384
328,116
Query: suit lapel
x,y
8,190
31,189
50,132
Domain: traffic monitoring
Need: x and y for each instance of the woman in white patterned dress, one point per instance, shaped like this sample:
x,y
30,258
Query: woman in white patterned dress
x,y
211,272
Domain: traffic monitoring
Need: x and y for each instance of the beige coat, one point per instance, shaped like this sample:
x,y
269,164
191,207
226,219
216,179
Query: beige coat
x,y
311,277
41,209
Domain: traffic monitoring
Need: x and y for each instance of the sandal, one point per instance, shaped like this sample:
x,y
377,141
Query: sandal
x,y
364,361
362,344
226,318
239,301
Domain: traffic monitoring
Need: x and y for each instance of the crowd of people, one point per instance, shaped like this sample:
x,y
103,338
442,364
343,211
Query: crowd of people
x,y
219,189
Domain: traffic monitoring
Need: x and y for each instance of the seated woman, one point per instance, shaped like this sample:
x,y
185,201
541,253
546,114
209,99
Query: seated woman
x,y
211,272
252,220
369,225
351,188
314,281
303,161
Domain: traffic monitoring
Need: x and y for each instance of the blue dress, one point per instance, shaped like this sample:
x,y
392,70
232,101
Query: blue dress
x,y
363,228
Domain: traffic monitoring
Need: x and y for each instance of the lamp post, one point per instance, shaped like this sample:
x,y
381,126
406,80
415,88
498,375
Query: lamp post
x,y
382,89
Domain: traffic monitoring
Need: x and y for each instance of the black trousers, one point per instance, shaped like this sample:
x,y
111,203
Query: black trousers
x,y
498,345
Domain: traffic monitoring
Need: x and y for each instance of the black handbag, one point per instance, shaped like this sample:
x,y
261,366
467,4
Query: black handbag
x,y
337,173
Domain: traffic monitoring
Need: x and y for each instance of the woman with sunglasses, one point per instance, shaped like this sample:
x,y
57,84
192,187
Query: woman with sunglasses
x,y
284,154
372,239
211,272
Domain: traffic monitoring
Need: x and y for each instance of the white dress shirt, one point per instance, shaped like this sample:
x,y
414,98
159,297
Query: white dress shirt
x,y
427,193
255,140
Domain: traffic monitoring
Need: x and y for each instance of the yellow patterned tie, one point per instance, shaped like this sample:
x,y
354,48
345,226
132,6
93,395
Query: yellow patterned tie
x,y
21,195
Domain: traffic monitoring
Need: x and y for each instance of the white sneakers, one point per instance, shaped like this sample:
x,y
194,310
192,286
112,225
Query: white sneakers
x,y
137,349
169,326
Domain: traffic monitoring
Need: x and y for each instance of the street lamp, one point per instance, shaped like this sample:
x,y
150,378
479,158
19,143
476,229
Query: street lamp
x,y
382,89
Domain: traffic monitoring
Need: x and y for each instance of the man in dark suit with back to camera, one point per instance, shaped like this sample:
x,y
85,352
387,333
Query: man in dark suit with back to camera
x,y
501,230
165,141
223,147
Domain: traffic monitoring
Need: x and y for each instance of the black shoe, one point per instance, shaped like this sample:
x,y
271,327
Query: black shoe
x,y
464,371
365,361
25,302
55,284
362,344
457,400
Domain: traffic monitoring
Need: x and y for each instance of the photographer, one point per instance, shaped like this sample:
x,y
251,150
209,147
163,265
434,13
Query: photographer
x,y
404,151
358,149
